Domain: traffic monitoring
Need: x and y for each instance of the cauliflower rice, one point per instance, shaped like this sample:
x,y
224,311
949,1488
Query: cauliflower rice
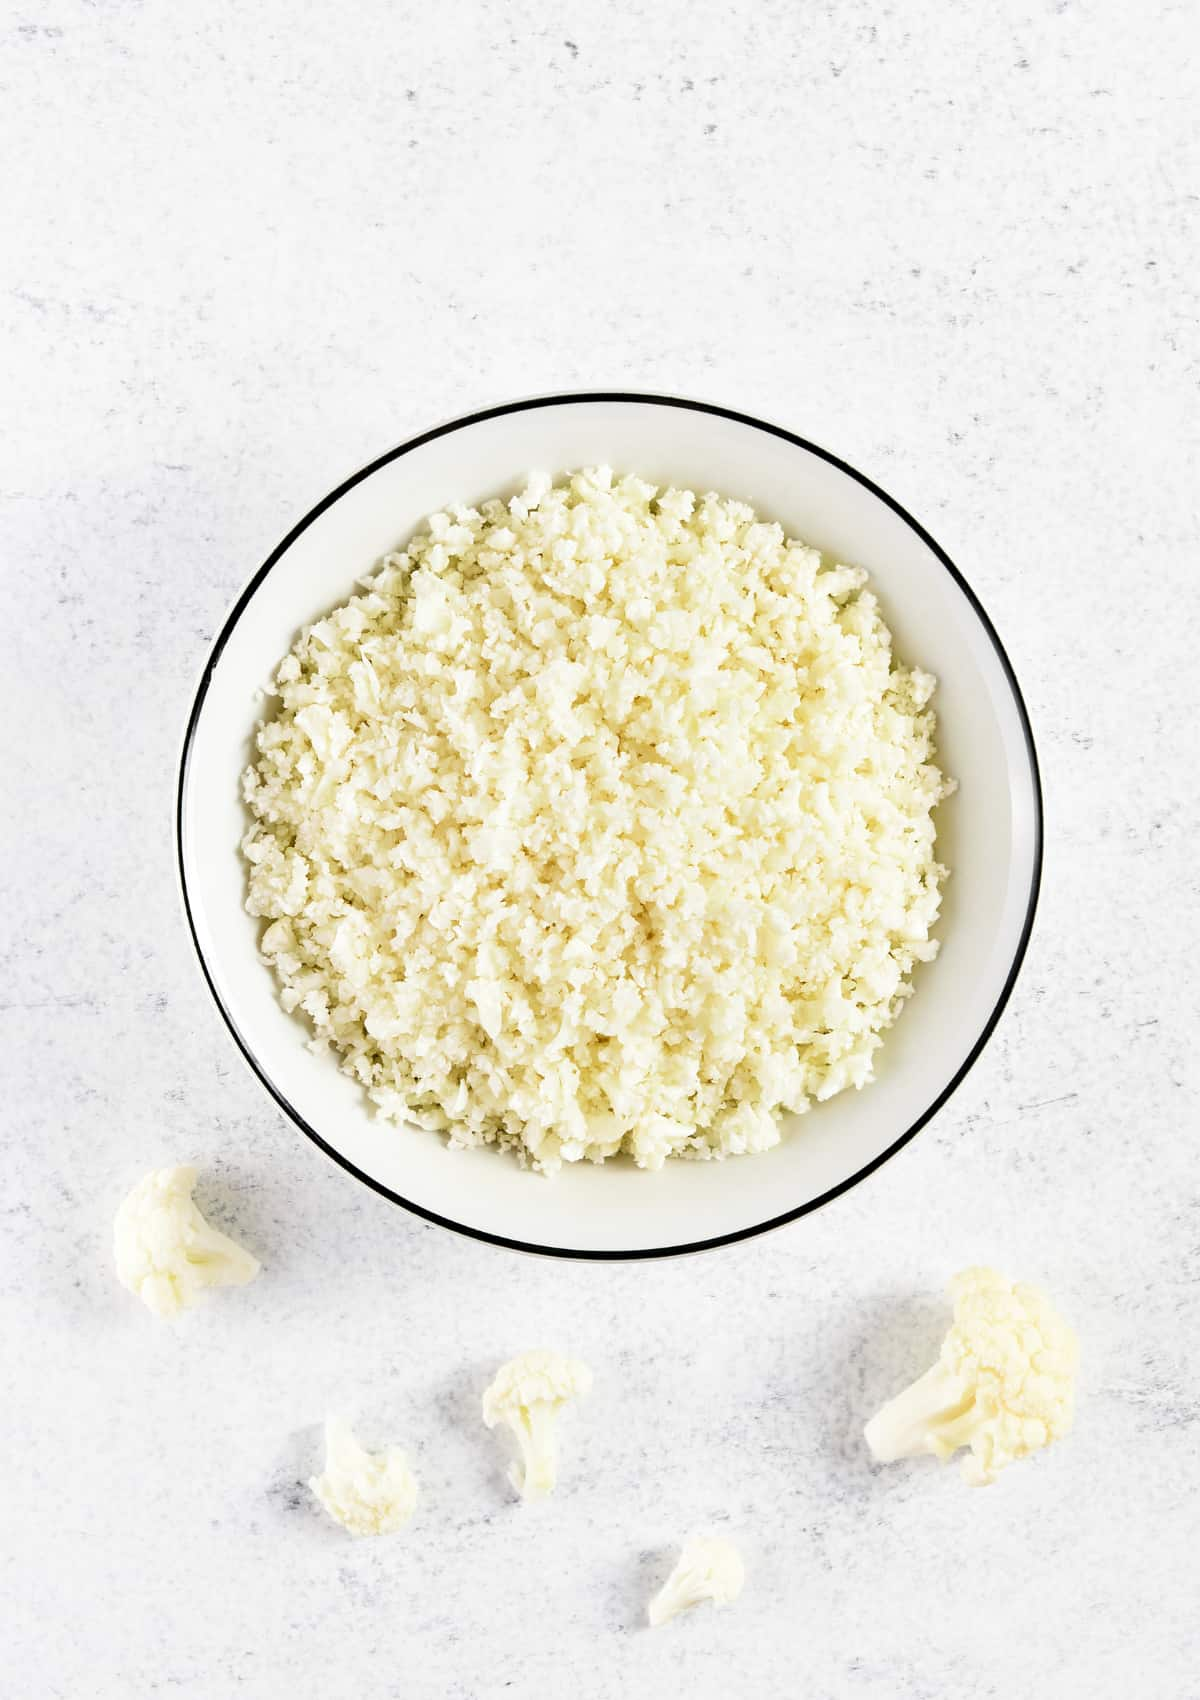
x,y
599,821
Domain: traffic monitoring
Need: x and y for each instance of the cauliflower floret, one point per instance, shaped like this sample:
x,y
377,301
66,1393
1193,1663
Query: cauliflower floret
x,y
527,1394
1004,1384
709,1568
166,1252
369,1493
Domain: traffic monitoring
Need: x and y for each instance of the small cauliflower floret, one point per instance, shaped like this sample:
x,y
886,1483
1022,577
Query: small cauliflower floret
x,y
709,1568
1004,1384
527,1395
166,1252
369,1493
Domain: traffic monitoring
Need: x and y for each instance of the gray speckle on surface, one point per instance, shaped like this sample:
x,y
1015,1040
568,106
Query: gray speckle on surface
x,y
248,249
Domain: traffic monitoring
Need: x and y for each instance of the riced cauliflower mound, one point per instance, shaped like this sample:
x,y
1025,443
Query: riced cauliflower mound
x,y
599,821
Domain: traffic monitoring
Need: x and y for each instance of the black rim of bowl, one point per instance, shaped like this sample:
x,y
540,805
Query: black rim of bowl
x,y
786,1216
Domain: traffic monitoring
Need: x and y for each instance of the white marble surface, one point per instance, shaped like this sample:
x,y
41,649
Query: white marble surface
x,y
248,248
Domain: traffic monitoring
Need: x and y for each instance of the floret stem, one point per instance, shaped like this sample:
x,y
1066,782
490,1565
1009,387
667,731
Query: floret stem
x,y
915,1420
669,1600
537,1436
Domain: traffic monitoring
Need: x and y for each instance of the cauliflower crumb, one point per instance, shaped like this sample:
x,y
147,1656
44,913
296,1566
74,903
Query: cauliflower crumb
x,y
166,1252
599,821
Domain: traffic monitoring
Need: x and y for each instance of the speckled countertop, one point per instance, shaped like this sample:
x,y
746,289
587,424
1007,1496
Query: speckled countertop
x,y
249,248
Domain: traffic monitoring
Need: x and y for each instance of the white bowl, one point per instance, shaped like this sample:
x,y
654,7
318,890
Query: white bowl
x,y
989,832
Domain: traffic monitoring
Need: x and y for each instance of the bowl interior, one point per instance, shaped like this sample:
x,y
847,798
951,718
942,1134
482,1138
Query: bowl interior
x,y
989,832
